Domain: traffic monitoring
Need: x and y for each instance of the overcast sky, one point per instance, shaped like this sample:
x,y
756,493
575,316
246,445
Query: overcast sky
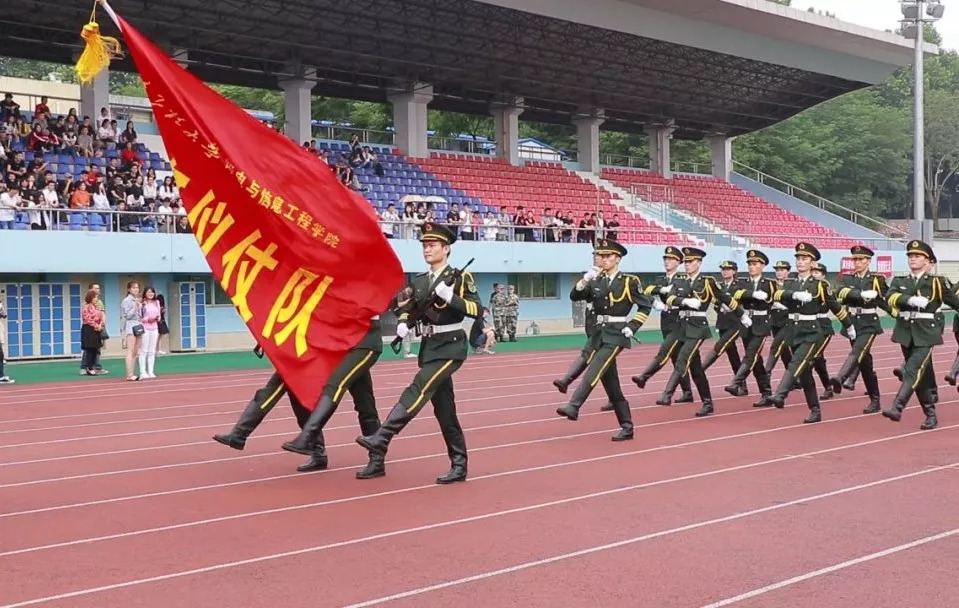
x,y
885,14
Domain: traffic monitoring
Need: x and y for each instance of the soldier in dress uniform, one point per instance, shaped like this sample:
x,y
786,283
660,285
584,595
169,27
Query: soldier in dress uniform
x,y
807,298
780,323
613,294
915,300
755,295
862,293
360,387
448,297
693,293
727,321
820,366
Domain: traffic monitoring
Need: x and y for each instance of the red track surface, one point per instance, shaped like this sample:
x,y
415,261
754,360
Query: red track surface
x,y
113,494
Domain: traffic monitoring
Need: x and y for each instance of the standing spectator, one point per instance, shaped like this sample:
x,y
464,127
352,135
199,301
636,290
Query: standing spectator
x,y
91,334
466,223
4,379
612,228
490,228
162,328
133,330
150,317
9,203
390,220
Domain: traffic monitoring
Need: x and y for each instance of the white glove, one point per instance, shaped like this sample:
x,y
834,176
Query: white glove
x,y
665,290
725,308
627,332
780,306
402,330
802,296
591,274
760,295
869,295
692,303
851,332
746,320
659,305
444,291
918,301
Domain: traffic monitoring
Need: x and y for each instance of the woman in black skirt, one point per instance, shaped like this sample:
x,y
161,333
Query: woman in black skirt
x,y
91,334
162,327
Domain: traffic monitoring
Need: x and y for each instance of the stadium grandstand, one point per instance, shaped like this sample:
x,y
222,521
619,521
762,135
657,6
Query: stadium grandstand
x,y
700,70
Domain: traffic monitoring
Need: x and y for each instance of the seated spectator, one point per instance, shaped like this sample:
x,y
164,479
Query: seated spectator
x,y
129,135
183,225
41,112
128,157
168,190
80,198
85,143
105,136
482,335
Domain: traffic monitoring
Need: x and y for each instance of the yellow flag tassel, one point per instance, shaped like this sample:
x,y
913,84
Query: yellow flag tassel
x,y
98,52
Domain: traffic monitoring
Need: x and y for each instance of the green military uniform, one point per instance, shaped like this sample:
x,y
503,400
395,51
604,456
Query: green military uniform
x,y
447,297
755,297
780,324
511,314
953,374
807,299
497,307
613,298
727,323
694,295
820,365
915,301
862,294
669,321
351,375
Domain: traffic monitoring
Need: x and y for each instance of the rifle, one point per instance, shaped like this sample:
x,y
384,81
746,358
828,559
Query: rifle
x,y
416,314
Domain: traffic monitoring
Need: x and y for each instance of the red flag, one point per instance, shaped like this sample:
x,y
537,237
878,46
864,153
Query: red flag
x,y
303,258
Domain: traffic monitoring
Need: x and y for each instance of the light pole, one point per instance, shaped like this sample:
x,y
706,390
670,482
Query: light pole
x,y
915,13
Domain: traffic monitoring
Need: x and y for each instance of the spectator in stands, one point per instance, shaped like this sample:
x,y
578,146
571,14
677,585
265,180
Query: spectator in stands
x,y
129,135
466,223
105,136
49,200
131,311
85,142
164,217
80,198
453,219
128,156
8,132
4,378
490,227
91,334
68,142
183,225
9,204
8,107
41,112
506,221
391,221
612,228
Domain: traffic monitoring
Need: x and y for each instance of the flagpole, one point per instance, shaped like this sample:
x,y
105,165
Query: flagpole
x,y
109,9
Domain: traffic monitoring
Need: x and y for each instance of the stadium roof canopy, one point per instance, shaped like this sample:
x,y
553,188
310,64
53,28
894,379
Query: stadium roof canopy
x,y
712,66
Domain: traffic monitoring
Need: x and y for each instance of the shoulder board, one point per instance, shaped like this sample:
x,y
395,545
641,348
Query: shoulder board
x,y
422,274
631,276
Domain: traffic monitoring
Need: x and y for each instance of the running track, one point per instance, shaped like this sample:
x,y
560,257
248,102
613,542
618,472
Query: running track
x,y
114,494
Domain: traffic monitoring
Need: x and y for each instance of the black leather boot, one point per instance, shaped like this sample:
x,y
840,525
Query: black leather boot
x,y
251,418
376,467
815,415
706,409
931,421
669,389
953,374
317,462
625,419
313,429
608,407
646,374
684,385
456,447
873,407
379,441
710,358
574,372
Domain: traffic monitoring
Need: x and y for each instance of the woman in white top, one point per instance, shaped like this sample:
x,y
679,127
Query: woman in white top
x,y
132,310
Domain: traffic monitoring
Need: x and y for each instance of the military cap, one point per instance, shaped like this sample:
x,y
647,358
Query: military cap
x,y
861,251
437,232
609,246
692,253
783,264
920,248
807,249
673,252
820,267
728,265
754,255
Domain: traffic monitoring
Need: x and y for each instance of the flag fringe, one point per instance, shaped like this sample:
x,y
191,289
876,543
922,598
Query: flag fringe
x,y
98,52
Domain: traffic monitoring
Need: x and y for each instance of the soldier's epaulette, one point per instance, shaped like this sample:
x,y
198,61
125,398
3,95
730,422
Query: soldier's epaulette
x,y
422,274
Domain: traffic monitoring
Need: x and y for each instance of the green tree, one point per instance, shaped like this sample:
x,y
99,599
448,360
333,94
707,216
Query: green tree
x,y
942,146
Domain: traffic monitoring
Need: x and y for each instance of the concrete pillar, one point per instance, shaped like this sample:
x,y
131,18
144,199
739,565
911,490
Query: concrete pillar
x,y
410,107
659,136
94,97
587,138
297,98
721,148
506,128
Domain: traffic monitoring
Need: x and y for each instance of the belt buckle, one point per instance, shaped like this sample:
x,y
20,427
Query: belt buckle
x,y
427,331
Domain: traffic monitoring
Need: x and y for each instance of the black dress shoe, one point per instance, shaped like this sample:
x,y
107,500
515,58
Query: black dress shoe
x,y
231,440
456,474
623,435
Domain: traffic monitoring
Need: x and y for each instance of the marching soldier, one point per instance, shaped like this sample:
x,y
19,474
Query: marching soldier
x,y
820,273
511,313
669,315
755,295
727,321
953,374
914,300
694,293
862,293
780,323
580,363
613,294
807,298
446,297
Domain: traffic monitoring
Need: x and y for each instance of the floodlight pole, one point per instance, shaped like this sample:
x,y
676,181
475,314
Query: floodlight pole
x,y
919,182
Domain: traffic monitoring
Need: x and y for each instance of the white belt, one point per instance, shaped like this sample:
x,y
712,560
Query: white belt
x,y
609,319
916,315
757,313
862,311
432,330
823,315
798,317
692,313
376,318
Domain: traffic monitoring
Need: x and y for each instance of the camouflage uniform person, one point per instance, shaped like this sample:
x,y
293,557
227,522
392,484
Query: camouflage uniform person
x,y
497,306
511,313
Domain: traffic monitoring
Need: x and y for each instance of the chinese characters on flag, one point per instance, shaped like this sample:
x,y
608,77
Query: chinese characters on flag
x,y
302,258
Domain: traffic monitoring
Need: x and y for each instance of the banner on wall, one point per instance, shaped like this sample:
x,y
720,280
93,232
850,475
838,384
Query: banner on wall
x,y
883,266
